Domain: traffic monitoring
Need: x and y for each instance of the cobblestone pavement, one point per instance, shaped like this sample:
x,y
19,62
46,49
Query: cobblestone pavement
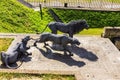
x,y
95,59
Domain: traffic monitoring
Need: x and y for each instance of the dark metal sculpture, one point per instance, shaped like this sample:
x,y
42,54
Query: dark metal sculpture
x,y
15,53
57,40
71,28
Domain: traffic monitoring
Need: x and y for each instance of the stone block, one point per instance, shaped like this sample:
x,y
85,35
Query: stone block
x,y
117,43
110,32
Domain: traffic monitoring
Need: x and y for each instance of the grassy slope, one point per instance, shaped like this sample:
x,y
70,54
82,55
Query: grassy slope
x,y
14,17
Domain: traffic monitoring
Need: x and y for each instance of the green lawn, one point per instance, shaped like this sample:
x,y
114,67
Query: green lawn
x,y
4,43
92,31
18,76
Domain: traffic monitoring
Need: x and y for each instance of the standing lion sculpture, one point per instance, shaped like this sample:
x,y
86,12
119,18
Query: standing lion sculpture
x,y
71,28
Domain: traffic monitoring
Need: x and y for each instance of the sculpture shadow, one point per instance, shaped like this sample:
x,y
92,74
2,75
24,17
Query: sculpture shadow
x,y
27,58
60,57
83,53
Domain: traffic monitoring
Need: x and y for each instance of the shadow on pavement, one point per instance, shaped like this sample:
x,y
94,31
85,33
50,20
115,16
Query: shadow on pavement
x,y
60,57
83,53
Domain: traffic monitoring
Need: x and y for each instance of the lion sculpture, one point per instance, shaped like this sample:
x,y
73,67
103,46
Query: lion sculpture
x,y
16,52
71,28
61,40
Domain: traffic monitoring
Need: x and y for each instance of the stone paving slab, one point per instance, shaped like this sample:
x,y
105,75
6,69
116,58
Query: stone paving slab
x,y
95,59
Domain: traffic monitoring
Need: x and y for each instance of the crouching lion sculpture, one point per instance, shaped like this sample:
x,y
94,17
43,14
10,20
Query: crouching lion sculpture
x,y
15,53
60,40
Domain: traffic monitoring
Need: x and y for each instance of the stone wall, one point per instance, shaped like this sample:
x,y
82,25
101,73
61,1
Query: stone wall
x,y
114,34
117,43
111,32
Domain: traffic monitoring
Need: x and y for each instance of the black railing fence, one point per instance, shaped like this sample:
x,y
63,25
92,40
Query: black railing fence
x,y
105,4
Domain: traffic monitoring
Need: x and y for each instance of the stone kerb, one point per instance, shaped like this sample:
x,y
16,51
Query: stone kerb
x,y
114,34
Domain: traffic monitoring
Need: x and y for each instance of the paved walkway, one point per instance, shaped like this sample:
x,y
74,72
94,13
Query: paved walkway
x,y
95,59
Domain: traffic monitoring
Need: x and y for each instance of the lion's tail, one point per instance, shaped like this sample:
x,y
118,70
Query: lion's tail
x,y
43,29
7,65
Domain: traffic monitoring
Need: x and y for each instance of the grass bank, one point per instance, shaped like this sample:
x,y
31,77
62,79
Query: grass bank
x,y
17,18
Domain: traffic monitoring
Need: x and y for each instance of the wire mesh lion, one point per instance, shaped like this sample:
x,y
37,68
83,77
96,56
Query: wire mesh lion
x,y
61,40
71,28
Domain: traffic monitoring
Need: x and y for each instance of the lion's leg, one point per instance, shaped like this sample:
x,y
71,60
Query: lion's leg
x,y
3,56
23,49
35,43
28,53
45,44
70,54
71,34
54,32
67,50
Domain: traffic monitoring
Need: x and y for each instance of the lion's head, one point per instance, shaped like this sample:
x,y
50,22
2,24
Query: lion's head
x,y
84,24
26,39
76,41
78,25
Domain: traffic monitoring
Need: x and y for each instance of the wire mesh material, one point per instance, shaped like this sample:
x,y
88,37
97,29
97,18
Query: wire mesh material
x,y
105,4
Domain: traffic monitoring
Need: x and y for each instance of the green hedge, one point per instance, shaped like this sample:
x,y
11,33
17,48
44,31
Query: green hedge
x,y
96,19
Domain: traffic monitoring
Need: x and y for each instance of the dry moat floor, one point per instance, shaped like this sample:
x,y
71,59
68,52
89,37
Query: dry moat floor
x,y
95,58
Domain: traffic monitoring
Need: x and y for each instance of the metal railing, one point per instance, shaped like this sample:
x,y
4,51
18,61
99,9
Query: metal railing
x,y
101,4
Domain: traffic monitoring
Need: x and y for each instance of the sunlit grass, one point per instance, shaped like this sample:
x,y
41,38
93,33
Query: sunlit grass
x,y
92,31
4,43
18,76
17,18
34,0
